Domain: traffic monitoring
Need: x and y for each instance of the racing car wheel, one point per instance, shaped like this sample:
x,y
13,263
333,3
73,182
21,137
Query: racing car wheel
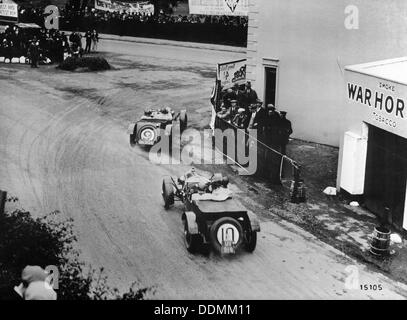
x,y
132,139
251,241
168,193
193,242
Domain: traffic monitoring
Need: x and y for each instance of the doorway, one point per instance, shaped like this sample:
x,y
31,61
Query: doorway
x,y
270,85
386,174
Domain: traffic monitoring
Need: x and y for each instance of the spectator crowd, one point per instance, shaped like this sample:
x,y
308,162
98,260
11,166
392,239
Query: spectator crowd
x,y
200,28
72,14
44,46
241,108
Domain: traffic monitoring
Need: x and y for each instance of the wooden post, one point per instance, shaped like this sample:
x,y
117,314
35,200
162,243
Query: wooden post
x,y
3,198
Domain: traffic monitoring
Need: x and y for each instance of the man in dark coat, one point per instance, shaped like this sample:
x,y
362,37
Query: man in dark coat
x,y
260,119
249,96
272,127
88,36
285,130
34,53
237,94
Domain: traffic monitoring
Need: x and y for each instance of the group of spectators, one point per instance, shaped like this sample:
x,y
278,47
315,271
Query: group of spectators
x,y
44,46
198,28
71,12
38,45
243,109
93,15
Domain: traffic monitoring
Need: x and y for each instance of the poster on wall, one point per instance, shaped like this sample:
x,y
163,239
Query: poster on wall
x,y
144,8
8,11
231,72
219,7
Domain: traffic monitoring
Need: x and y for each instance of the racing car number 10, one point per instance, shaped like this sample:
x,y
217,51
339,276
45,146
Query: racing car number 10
x,y
228,237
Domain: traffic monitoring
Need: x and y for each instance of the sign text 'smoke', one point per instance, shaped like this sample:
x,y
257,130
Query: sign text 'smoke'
x,y
387,109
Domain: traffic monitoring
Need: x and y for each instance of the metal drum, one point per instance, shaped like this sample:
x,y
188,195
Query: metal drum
x,y
380,242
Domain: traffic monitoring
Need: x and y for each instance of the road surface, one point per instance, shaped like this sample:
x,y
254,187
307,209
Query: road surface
x,y
64,147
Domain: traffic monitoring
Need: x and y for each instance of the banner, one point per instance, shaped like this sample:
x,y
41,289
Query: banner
x,y
219,7
231,72
8,11
118,6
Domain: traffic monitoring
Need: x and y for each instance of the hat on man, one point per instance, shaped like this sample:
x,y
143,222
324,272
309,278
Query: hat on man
x,y
37,287
33,273
241,110
233,101
283,113
271,106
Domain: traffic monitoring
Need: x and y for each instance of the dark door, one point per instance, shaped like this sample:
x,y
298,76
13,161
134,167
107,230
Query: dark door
x,y
271,83
386,173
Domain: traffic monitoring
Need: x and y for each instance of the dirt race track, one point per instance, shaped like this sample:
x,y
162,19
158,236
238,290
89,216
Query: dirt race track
x,y
64,146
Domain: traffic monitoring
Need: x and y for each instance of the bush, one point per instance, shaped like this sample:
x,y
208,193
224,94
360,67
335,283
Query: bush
x,y
49,241
89,63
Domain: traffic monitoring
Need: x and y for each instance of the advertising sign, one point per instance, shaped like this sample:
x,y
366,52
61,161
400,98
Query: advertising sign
x,y
118,6
219,7
231,72
8,11
384,103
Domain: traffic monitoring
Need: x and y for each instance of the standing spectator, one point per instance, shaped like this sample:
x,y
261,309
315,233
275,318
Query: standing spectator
x,y
249,96
260,120
95,40
285,130
237,94
224,113
34,52
241,119
273,125
88,37
6,48
59,47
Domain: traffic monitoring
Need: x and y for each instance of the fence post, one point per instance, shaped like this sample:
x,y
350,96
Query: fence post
x,y
3,198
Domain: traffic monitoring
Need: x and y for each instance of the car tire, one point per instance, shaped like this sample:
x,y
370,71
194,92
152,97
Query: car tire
x,y
251,241
168,193
183,119
213,232
132,140
193,242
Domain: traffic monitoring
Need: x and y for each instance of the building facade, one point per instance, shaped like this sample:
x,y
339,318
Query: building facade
x,y
302,55
298,50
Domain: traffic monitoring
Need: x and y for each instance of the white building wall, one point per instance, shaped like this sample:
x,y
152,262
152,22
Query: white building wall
x,y
312,46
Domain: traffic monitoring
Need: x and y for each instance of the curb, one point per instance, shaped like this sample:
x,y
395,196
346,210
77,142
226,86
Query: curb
x,y
193,45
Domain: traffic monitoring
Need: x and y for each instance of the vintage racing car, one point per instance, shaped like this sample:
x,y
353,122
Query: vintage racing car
x,y
147,131
211,216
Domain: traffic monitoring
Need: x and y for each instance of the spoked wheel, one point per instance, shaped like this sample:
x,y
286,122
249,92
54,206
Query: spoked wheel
x,y
251,241
168,193
193,242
